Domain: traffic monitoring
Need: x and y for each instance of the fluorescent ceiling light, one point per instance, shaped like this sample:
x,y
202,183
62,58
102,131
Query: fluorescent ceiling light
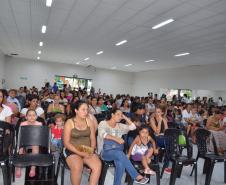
x,y
127,65
113,67
43,29
40,43
162,24
49,3
100,52
121,42
181,54
39,52
38,58
149,61
77,63
86,59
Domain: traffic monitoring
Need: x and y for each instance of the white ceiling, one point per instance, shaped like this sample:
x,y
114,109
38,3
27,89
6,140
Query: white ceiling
x,y
77,29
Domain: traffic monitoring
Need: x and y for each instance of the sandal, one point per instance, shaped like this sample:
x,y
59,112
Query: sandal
x,y
149,171
143,180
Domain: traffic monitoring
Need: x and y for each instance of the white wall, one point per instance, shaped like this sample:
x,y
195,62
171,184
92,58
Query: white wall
x,y
2,68
20,72
210,78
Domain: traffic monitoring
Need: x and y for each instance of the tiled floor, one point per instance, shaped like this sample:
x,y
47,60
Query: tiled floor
x,y
217,178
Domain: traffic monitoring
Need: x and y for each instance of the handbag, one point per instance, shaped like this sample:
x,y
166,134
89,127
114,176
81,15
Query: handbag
x,y
112,145
84,148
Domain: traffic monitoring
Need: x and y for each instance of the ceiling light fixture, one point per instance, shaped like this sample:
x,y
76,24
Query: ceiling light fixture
x,y
43,29
162,24
77,63
127,65
86,59
149,61
100,52
49,3
38,58
39,52
181,54
113,67
121,42
40,43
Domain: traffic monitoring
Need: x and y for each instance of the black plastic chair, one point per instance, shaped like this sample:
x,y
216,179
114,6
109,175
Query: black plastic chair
x,y
202,138
5,149
100,117
45,105
34,136
105,166
61,164
173,154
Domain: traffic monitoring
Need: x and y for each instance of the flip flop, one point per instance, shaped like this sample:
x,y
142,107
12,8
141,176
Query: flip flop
x,y
149,171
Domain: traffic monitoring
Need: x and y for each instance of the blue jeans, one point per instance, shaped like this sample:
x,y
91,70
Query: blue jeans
x,y
57,143
121,163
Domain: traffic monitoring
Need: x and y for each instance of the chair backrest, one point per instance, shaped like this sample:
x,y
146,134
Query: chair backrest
x,y
34,136
202,136
4,126
45,105
100,117
185,143
172,142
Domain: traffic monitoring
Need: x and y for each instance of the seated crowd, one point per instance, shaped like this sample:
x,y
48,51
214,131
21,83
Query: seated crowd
x,y
85,126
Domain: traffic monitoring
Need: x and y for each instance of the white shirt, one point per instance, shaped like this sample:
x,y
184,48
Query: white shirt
x,y
104,129
220,103
6,112
150,107
14,100
118,103
186,115
39,111
94,110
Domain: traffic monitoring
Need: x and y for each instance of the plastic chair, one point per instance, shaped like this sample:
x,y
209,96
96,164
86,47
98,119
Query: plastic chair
x,y
34,136
202,138
100,117
173,153
4,152
105,166
61,164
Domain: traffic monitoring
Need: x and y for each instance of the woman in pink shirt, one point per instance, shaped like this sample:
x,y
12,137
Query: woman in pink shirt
x,y
31,117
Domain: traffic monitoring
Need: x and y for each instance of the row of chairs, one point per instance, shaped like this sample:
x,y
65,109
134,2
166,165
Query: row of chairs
x,y
174,152
35,135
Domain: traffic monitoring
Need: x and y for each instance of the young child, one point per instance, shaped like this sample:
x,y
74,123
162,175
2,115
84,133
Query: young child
x,y
57,130
178,118
143,148
31,117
